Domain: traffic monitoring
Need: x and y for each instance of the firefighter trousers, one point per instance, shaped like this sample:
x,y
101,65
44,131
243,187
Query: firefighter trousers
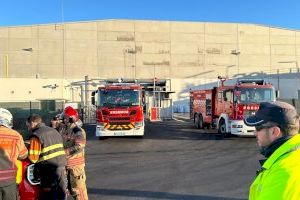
x,y
53,183
8,192
76,182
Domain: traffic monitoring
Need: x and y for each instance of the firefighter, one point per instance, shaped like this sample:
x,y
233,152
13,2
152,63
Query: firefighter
x,y
12,148
74,144
46,150
56,123
277,126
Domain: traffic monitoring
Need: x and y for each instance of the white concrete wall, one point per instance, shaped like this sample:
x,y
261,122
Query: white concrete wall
x,y
22,89
190,53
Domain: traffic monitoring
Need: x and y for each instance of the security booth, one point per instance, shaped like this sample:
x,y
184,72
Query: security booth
x,y
158,104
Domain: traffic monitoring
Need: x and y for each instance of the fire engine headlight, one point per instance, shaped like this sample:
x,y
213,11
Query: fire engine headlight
x,y
100,127
101,124
237,126
139,124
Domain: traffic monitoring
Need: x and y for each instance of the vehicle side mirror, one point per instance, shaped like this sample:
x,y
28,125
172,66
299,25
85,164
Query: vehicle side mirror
x,y
277,93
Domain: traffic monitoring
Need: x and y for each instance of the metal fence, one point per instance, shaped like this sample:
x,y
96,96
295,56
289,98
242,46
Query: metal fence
x,y
88,114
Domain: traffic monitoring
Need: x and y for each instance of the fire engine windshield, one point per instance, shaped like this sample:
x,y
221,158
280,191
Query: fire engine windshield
x,y
113,98
254,95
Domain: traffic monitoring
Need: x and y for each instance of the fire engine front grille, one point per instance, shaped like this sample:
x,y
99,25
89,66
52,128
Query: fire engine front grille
x,y
119,123
119,118
119,126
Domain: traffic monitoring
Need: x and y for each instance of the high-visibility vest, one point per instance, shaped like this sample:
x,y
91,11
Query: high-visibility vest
x,y
11,147
52,146
280,175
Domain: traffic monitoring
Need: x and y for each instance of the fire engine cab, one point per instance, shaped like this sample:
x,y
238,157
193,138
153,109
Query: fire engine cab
x,y
119,110
225,107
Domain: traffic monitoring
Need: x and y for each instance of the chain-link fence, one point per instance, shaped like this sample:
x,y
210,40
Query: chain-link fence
x,y
22,110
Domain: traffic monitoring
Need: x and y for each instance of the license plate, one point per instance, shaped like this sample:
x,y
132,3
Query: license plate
x,y
119,134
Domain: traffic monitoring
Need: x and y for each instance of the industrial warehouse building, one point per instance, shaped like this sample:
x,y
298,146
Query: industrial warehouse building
x,y
50,61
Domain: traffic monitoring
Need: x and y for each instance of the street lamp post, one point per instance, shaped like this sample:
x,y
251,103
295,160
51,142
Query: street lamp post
x,y
133,71
278,79
124,58
6,65
227,69
237,53
129,51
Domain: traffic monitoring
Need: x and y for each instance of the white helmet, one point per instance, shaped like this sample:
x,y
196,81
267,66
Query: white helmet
x,y
6,118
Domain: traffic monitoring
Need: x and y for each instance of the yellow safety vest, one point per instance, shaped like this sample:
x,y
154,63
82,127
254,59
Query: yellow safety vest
x,y
279,178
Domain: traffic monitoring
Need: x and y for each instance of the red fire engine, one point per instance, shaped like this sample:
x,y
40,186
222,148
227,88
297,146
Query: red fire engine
x,y
225,107
119,110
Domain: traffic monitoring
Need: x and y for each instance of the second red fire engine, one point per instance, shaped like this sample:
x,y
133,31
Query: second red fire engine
x,y
225,107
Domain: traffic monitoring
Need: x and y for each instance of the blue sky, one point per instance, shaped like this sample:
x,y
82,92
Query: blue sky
x,y
278,13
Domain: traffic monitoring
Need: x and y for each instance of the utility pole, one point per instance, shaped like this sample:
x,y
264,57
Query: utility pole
x,y
154,80
6,64
86,90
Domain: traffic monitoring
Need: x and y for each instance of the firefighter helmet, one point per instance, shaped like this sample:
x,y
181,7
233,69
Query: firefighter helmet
x,y
6,118
71,113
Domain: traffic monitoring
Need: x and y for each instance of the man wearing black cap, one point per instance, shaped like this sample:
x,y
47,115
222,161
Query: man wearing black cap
x,y
277,126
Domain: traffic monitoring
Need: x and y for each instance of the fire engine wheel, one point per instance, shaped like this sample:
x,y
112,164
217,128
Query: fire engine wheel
x,y
207,125
199,121
222,128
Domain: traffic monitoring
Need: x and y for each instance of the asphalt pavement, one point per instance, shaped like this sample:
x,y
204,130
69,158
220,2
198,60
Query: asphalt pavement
x,y
174,161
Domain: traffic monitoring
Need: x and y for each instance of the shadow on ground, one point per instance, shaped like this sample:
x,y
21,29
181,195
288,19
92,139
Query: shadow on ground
x,y
152,195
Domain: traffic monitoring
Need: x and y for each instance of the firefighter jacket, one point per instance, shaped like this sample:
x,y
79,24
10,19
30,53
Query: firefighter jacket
x,y
46,146
11,148
279,177
74,144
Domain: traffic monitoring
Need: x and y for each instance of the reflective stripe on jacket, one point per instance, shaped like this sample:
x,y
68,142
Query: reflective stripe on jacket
x,y
12,147
52,152
279,177
34,149
19,172
46,146
8,174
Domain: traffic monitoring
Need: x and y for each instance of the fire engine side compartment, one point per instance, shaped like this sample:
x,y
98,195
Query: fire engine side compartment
x,y
202,105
